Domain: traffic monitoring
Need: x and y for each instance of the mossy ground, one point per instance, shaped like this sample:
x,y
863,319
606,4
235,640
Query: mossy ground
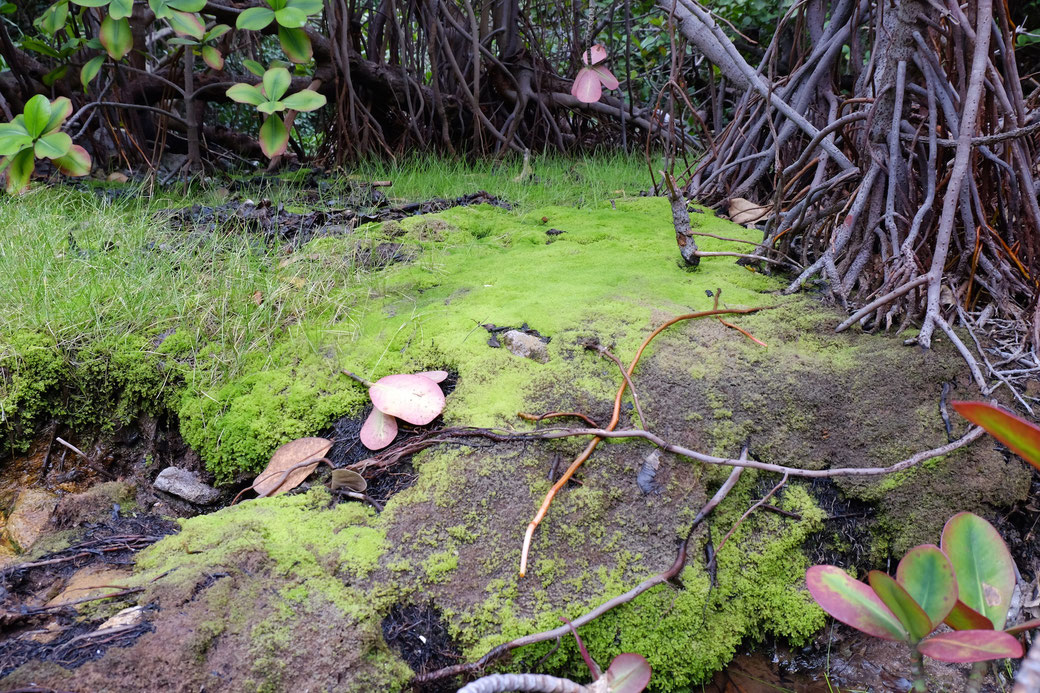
x,y
809,399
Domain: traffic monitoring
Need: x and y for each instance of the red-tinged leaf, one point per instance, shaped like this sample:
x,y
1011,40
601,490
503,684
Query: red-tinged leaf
x,y
61,108
963,617
187,24
586,87
413,398
1021,436
378,431
435,376
1023,627
963,646
853,603
19,171
596,54
116,37
899,601
274,137
983,565
296,44
628,673
287,470
213,58
245,93
927,575
606,77
75,163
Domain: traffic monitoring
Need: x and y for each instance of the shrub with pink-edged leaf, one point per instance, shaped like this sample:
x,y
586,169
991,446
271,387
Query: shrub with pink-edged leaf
x,y
588,85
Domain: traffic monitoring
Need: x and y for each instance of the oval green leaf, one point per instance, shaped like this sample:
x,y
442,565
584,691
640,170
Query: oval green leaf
x,y
276,83
245,93
269,107
273,137
53,146
187,24
1021,436
853,603
37,114
306,6
91,3
255,18
290,17
927,575
296,44
188,5
116,37
54,18
90,70
896,598
19,170
963,646
61,108
254,67
983,565
12,143
305,100
120,9
216,32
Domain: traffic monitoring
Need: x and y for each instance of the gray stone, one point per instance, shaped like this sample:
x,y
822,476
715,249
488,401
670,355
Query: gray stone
x,y
183,484
528,346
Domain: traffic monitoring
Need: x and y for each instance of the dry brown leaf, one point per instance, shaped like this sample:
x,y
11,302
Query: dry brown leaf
x,y
347,480
743,211
286,470
258,297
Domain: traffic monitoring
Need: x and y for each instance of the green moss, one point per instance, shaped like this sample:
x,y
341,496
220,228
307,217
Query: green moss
x,y
30,370
440,565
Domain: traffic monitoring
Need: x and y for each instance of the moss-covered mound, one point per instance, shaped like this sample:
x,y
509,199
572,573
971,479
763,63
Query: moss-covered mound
x,y
289,593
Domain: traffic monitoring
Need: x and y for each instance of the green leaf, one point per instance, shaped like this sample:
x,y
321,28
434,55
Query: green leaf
x,y
246,93
13,142
306,100
185,24
37,113
896,598
273,137
983,565
91,3
269,107
963,646
216,32
188,5
53,146
276,82
116,37
19,171
276,4
61,108
54,75
40,47
254,67
296,44
161,8
1021,436
290,17
213,58
75,163
255,19
53,18
8,8
308,7
90,70
183,42
927,575
120,9
853,603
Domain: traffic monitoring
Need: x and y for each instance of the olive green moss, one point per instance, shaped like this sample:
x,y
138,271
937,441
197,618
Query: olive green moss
x,y
30,370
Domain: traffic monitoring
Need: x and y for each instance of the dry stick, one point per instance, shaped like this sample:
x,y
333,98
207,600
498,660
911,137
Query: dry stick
x,y
883,300
591,447
85,456
635,397
554,414
282,476
750,510
961,161
673,571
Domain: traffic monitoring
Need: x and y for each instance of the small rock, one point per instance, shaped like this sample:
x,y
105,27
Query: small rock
x,y
130,616
183,484
525,345
32,511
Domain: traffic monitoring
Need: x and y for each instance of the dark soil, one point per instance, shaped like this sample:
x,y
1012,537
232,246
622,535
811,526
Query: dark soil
x,y
419,635
846,537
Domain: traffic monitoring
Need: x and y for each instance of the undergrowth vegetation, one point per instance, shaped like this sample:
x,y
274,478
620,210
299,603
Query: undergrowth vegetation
x,y
112,310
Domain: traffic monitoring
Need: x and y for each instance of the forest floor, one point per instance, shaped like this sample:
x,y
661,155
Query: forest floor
x,y
202,331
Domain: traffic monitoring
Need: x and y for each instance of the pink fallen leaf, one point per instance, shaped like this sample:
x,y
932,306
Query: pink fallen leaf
x,y
414,398
435,376
586,87
596,54
628,673
378,431
606,77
